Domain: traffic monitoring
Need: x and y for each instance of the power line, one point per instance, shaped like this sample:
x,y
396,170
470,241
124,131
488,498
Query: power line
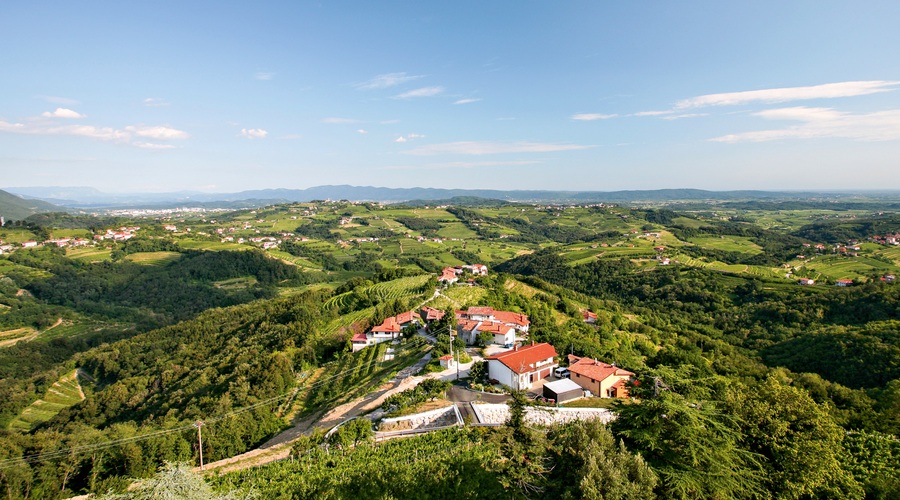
x,y
45,456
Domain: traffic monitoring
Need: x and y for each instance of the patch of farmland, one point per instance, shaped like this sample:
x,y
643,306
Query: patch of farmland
x,y
64,393
153,258
728,244
91,254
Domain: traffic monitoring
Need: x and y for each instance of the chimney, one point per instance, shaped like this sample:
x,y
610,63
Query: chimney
x,y
516,347
532,343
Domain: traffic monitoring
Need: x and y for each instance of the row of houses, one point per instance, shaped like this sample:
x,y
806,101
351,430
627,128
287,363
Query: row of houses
x,y
388,330
522,367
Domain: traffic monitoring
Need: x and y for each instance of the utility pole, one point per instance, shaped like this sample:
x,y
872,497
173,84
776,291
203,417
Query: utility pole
x,y
198,424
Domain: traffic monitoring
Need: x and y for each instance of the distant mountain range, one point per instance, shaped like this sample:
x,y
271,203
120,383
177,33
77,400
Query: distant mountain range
x,y
13,207
86,197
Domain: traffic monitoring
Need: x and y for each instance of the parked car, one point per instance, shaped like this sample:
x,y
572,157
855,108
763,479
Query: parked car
x,y
561,372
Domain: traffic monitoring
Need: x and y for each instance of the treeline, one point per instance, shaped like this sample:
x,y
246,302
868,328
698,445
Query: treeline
x,y
840,231
63,220
152,296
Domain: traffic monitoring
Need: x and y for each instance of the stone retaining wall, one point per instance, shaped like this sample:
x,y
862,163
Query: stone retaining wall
x,y
539,415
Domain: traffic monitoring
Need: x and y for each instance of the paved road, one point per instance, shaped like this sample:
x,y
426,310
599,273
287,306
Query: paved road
x,y
459,394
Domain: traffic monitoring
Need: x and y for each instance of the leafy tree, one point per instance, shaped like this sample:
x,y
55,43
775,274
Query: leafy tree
x,y
588,463
797,437
692,446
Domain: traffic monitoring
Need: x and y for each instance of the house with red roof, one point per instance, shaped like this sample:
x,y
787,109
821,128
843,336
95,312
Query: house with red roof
x,y
430,314
502,324
603,380
589,317
389,329
844,283
521,367
448,276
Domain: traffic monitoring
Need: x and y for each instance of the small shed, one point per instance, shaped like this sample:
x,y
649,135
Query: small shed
x,y
563,390
447,361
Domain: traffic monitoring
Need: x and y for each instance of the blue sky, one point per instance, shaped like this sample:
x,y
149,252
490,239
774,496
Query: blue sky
x,y
227,96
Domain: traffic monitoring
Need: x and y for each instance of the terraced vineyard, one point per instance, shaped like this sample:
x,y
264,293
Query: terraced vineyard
x,y
10,337
64,393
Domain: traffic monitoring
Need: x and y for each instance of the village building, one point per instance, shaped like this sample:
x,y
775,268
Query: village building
x,y
389,329
502,325
603,380
521,367
844,283
589,317
448,276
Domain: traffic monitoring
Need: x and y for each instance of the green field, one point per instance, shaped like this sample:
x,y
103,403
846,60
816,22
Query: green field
x,y
728,244
90,254
64,393
153,258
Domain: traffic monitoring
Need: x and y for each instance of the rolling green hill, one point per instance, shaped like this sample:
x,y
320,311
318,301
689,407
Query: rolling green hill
x,y
13,207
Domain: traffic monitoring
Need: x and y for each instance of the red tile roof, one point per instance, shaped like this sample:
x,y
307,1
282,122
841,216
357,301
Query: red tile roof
x,y
432,314
523,359
494,327
595,370
511,317
590,315
359,337
480,311
390,325
406,317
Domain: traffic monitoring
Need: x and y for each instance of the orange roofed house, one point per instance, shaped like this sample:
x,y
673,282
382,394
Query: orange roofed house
x,y
388,330
519,368
503,325
605,381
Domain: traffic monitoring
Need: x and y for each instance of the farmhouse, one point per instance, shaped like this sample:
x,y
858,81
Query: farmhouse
x,y
806,281
503,325
388,330
844,282
604,380
520,367
589,317
448,275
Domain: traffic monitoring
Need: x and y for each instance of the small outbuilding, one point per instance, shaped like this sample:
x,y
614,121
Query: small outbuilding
x,y
563,390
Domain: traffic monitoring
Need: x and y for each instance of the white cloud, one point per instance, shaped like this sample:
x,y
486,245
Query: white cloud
x,y
387,80
264,76
825,91
420,92
466,101
409,137
652,113
591,116
62,113
362,131
127,135
254,133
155,102
486,148
158,133
818,123
338,121
150,145
683,115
